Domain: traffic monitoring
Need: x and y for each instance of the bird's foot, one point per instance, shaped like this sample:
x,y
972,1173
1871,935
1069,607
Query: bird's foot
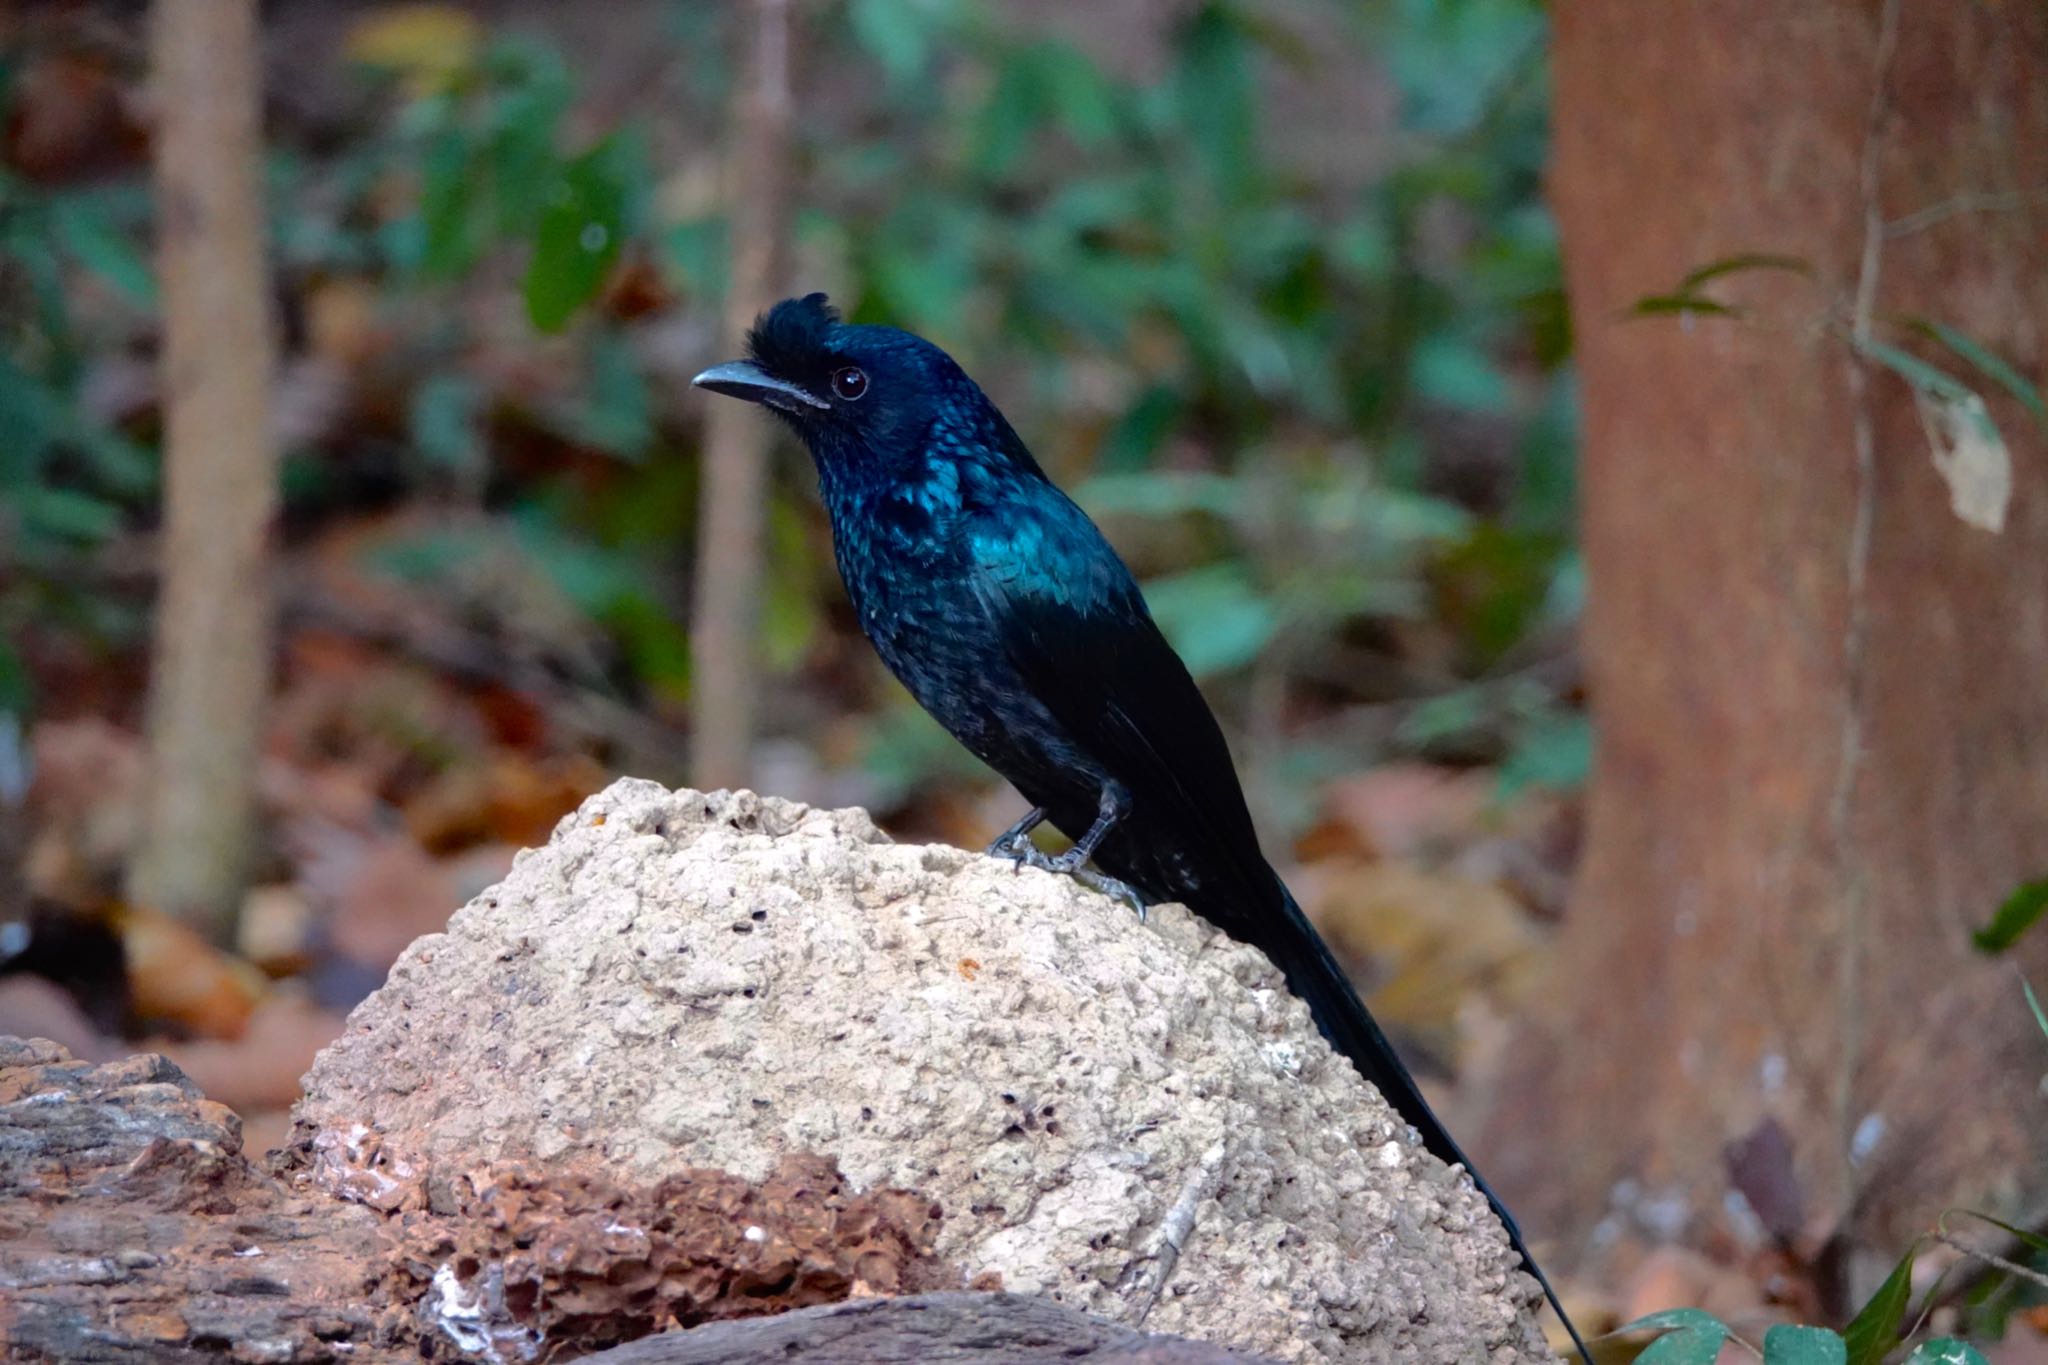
x,y
1021,852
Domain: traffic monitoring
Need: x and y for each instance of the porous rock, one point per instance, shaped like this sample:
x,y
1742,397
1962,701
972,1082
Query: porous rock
x,y
1134,1119
549,1263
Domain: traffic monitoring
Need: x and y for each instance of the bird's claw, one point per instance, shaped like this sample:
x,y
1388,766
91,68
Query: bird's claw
x,y
1109,886
1021,852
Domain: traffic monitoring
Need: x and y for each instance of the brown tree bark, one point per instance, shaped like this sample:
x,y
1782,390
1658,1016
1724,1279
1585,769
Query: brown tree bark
x,y
949,1328
132,1228
211,668
1822,714
725,644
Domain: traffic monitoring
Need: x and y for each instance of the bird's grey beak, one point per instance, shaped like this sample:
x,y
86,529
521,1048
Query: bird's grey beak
x,y
744,379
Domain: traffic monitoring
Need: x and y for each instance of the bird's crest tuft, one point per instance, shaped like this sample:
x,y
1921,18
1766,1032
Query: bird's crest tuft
x,y
790,339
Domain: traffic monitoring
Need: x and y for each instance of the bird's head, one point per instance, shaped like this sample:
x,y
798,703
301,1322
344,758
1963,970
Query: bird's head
x,y
861,397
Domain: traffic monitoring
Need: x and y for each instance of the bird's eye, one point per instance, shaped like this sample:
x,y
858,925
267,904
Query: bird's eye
x,y
849,383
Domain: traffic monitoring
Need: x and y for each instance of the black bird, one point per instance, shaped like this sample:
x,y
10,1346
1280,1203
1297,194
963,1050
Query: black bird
x,y
1009,617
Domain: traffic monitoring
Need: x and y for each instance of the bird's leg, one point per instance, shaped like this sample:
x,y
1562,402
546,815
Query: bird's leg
x,y
1115,804
1015,843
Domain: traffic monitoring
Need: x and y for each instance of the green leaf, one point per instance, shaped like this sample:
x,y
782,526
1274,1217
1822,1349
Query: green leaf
x,y
1730,265
2020,910
696,252
1786,1345
91,238
1216,97
1077,92
1440,718
67,513
32,414
1993,365
1161,493
1946,1351
1460,374
1686,298
1656,305
1213,616
1918,372
581,226
2034,1004
443,421
790,615
1554,752
1875,1330
1003,126
447,205
1144,427
122,465
618,414
15,689
1690,1337
896,33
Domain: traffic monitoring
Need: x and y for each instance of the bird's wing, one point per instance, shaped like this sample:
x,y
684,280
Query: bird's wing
x,y
1076,629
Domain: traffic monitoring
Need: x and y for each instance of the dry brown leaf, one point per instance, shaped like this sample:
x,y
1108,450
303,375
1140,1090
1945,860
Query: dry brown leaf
x,y
178,978
1401,810
429,44
1434,942
341,323
509,800
275,929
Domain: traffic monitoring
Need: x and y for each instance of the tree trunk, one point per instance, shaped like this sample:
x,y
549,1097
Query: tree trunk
x,y
1822,714
726,643
211,668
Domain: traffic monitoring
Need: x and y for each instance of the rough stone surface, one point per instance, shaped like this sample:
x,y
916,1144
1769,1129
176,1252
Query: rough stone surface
x,y
680,980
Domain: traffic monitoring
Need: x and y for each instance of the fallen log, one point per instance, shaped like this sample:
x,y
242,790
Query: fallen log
x,y
133,1228
951,1328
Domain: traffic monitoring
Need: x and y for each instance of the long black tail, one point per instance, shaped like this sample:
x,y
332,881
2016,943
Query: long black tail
x,y
1313,974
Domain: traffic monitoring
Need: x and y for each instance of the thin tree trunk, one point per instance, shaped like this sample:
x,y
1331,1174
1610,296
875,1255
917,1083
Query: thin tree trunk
x,y
1820,692
211,667
726,642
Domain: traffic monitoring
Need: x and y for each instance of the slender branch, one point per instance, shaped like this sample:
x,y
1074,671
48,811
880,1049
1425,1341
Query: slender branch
x,y
1962,203
2013,1268
1856,628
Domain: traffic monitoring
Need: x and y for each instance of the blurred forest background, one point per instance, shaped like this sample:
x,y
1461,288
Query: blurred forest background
x,y
1277,291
